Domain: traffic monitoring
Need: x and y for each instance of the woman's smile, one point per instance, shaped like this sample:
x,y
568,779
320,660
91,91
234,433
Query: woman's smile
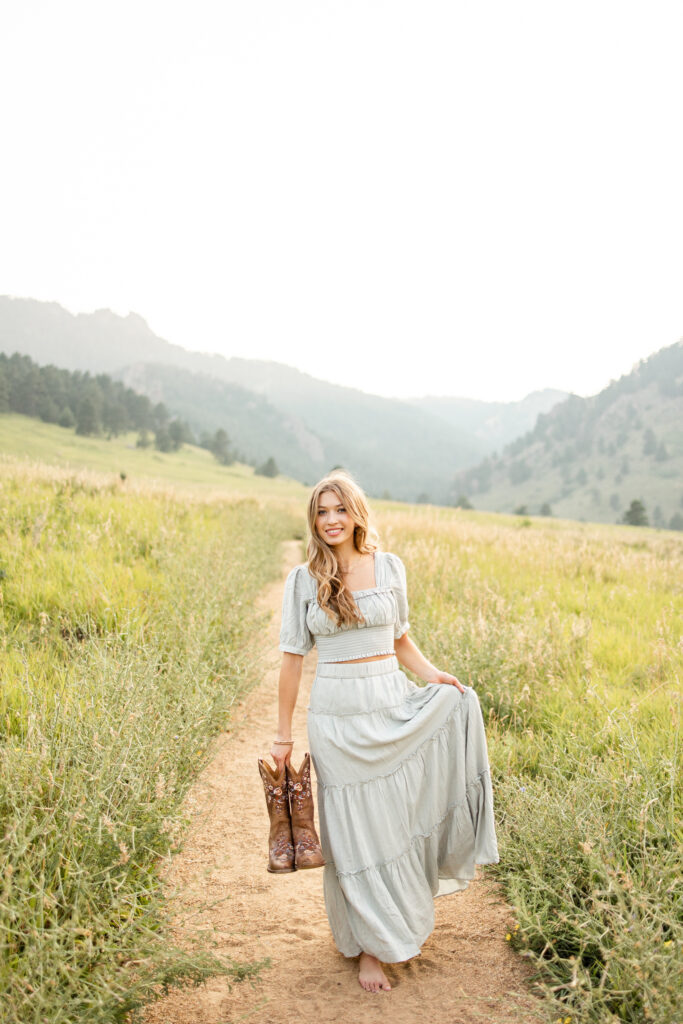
x,y
333,521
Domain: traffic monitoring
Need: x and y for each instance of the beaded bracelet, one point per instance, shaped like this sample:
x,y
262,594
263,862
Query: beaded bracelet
x,y
284,743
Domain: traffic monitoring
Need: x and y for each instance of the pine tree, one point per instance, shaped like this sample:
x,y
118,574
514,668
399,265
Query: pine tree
x,y
636,515
67,418
87,422
176,431
269,468
220,446
4,393
162,439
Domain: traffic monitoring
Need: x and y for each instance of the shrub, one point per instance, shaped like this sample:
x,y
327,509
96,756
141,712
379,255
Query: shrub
x,y
268,468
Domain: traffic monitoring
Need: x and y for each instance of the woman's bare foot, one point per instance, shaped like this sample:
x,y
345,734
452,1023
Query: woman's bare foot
x,y
370,974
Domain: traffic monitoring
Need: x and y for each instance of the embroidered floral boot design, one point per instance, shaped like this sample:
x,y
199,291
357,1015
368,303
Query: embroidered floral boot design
x,y
280,844
307,852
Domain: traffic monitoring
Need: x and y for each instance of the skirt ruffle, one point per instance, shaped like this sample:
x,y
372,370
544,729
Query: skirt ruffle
x,y
405,805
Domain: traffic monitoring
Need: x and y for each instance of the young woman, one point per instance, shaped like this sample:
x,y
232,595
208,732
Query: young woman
x,y
404,795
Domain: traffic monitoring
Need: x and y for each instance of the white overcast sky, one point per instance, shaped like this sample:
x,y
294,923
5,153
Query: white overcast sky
x,y
468,198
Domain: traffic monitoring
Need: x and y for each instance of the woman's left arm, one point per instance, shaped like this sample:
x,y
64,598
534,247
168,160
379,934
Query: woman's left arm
x,y
412,658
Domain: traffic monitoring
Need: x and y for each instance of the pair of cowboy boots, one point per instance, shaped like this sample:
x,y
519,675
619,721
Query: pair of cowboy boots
x,y
293,842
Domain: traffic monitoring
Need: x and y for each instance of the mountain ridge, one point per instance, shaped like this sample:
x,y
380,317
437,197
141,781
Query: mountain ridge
x,y
434,448
588,458
493,423
390,446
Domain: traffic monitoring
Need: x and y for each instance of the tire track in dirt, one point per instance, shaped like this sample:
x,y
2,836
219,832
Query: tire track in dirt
x,y
466,973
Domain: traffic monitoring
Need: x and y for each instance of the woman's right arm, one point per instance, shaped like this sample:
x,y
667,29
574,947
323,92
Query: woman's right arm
x,y
296,640
288,691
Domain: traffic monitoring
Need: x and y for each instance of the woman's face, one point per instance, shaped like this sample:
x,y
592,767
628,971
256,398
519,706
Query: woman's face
x,y
332,521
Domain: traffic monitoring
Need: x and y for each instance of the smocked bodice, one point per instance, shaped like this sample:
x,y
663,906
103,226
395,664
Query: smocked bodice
x,y
384,608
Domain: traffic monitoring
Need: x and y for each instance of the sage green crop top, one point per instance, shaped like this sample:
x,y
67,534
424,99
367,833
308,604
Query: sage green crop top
x,y
384,608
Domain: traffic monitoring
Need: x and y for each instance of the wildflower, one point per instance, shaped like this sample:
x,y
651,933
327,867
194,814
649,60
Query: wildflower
x,y
508,937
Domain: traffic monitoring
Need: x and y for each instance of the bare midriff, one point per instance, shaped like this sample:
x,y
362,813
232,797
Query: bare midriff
x,y
374,657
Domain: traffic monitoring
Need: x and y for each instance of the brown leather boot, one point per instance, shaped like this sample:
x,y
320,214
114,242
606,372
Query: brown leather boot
x,y
307,852
280,844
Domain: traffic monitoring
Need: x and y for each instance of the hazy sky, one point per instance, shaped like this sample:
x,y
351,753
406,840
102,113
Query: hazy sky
x,y
472,198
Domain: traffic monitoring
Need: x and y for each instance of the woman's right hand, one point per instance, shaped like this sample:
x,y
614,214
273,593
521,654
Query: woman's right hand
x,y
281,754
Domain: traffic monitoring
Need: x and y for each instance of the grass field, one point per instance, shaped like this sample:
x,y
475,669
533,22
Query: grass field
x,y
572,636
128,631
191,467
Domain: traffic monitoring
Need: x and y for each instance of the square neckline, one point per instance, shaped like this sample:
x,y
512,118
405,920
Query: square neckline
x,y
368,590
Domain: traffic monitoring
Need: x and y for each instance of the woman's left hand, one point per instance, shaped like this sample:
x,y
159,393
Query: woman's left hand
x,y
448,680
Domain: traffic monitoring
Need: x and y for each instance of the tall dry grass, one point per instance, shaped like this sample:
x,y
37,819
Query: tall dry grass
x,y
127,633
571,635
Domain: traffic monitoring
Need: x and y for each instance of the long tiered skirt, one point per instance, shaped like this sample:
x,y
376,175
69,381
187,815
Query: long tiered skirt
x,y
405,807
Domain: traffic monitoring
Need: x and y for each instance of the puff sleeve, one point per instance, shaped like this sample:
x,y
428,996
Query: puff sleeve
x,y
397,582
295,636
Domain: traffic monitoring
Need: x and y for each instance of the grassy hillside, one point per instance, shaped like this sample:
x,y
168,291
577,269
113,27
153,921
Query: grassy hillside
x,y
257,430
191,467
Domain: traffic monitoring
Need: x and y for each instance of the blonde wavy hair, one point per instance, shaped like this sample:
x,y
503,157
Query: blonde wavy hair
x,y
334,597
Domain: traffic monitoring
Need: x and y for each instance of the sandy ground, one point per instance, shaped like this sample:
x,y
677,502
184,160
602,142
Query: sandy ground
x,y
465,973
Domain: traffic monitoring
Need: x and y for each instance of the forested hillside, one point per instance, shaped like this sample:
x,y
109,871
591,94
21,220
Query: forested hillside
x,y
95,405
255,426
310,425
74,399
590,458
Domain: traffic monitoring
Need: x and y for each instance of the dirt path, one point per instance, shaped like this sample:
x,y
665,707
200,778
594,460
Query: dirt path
x,y
465,973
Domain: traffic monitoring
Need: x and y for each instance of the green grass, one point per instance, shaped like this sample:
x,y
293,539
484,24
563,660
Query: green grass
x,y
572,636
127,631
127,634
191,467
